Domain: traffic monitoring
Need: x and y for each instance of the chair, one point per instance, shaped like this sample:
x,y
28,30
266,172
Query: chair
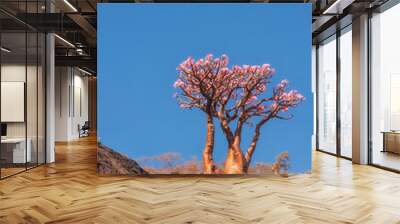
x,y
84,130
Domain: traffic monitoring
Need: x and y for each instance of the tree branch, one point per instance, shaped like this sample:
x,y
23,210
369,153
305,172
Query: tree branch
x,y
257,131
225,126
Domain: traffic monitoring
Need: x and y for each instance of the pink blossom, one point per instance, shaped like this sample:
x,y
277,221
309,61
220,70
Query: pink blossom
x,y
262,87
253,69
224,70
178,83
272,71
188,62
237,69
264,69
224,59
265,66
251,99
299,96
196,77
183,105
260,108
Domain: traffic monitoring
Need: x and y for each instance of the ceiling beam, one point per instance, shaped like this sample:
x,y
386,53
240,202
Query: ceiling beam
x,y
81,61
338,6
86,26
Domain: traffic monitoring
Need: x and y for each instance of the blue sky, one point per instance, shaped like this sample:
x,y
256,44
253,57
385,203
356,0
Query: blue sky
x,y
140,46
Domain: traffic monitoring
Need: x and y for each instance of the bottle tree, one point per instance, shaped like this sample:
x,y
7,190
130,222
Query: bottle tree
x,y
234,97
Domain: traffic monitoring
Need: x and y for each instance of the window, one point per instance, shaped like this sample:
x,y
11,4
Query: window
x,y
327,95
346,92
334,106
22,88
385,89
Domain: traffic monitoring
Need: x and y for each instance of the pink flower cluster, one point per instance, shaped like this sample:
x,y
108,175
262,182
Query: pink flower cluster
x,y
178,83
209,81
283,99
207,62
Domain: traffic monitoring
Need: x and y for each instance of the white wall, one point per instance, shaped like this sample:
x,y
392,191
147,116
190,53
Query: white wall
x,y
80,110
12,73
71,102
13,101
62,82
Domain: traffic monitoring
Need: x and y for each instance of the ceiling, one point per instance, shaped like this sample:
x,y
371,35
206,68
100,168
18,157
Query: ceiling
x,y
75,22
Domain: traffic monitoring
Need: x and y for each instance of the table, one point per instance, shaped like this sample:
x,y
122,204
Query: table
x,y
13,150
391,141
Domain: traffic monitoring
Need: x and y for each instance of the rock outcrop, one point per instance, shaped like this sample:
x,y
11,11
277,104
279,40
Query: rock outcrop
x,y
111,162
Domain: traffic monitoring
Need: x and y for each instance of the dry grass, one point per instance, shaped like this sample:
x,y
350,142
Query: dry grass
x,y
173,163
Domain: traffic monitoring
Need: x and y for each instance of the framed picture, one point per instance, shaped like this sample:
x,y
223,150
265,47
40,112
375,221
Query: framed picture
x,y
204,89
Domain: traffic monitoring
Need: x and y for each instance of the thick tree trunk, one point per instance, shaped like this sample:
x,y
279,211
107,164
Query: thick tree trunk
x,y
234,163
208,161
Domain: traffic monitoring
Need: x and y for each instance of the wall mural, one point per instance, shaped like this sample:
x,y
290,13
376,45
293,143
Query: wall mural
x,y
171,100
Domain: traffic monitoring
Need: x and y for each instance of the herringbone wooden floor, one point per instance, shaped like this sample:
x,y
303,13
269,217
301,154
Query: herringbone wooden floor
x,y
70,191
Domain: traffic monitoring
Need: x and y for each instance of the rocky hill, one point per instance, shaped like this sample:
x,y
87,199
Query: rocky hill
x,y
110,162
